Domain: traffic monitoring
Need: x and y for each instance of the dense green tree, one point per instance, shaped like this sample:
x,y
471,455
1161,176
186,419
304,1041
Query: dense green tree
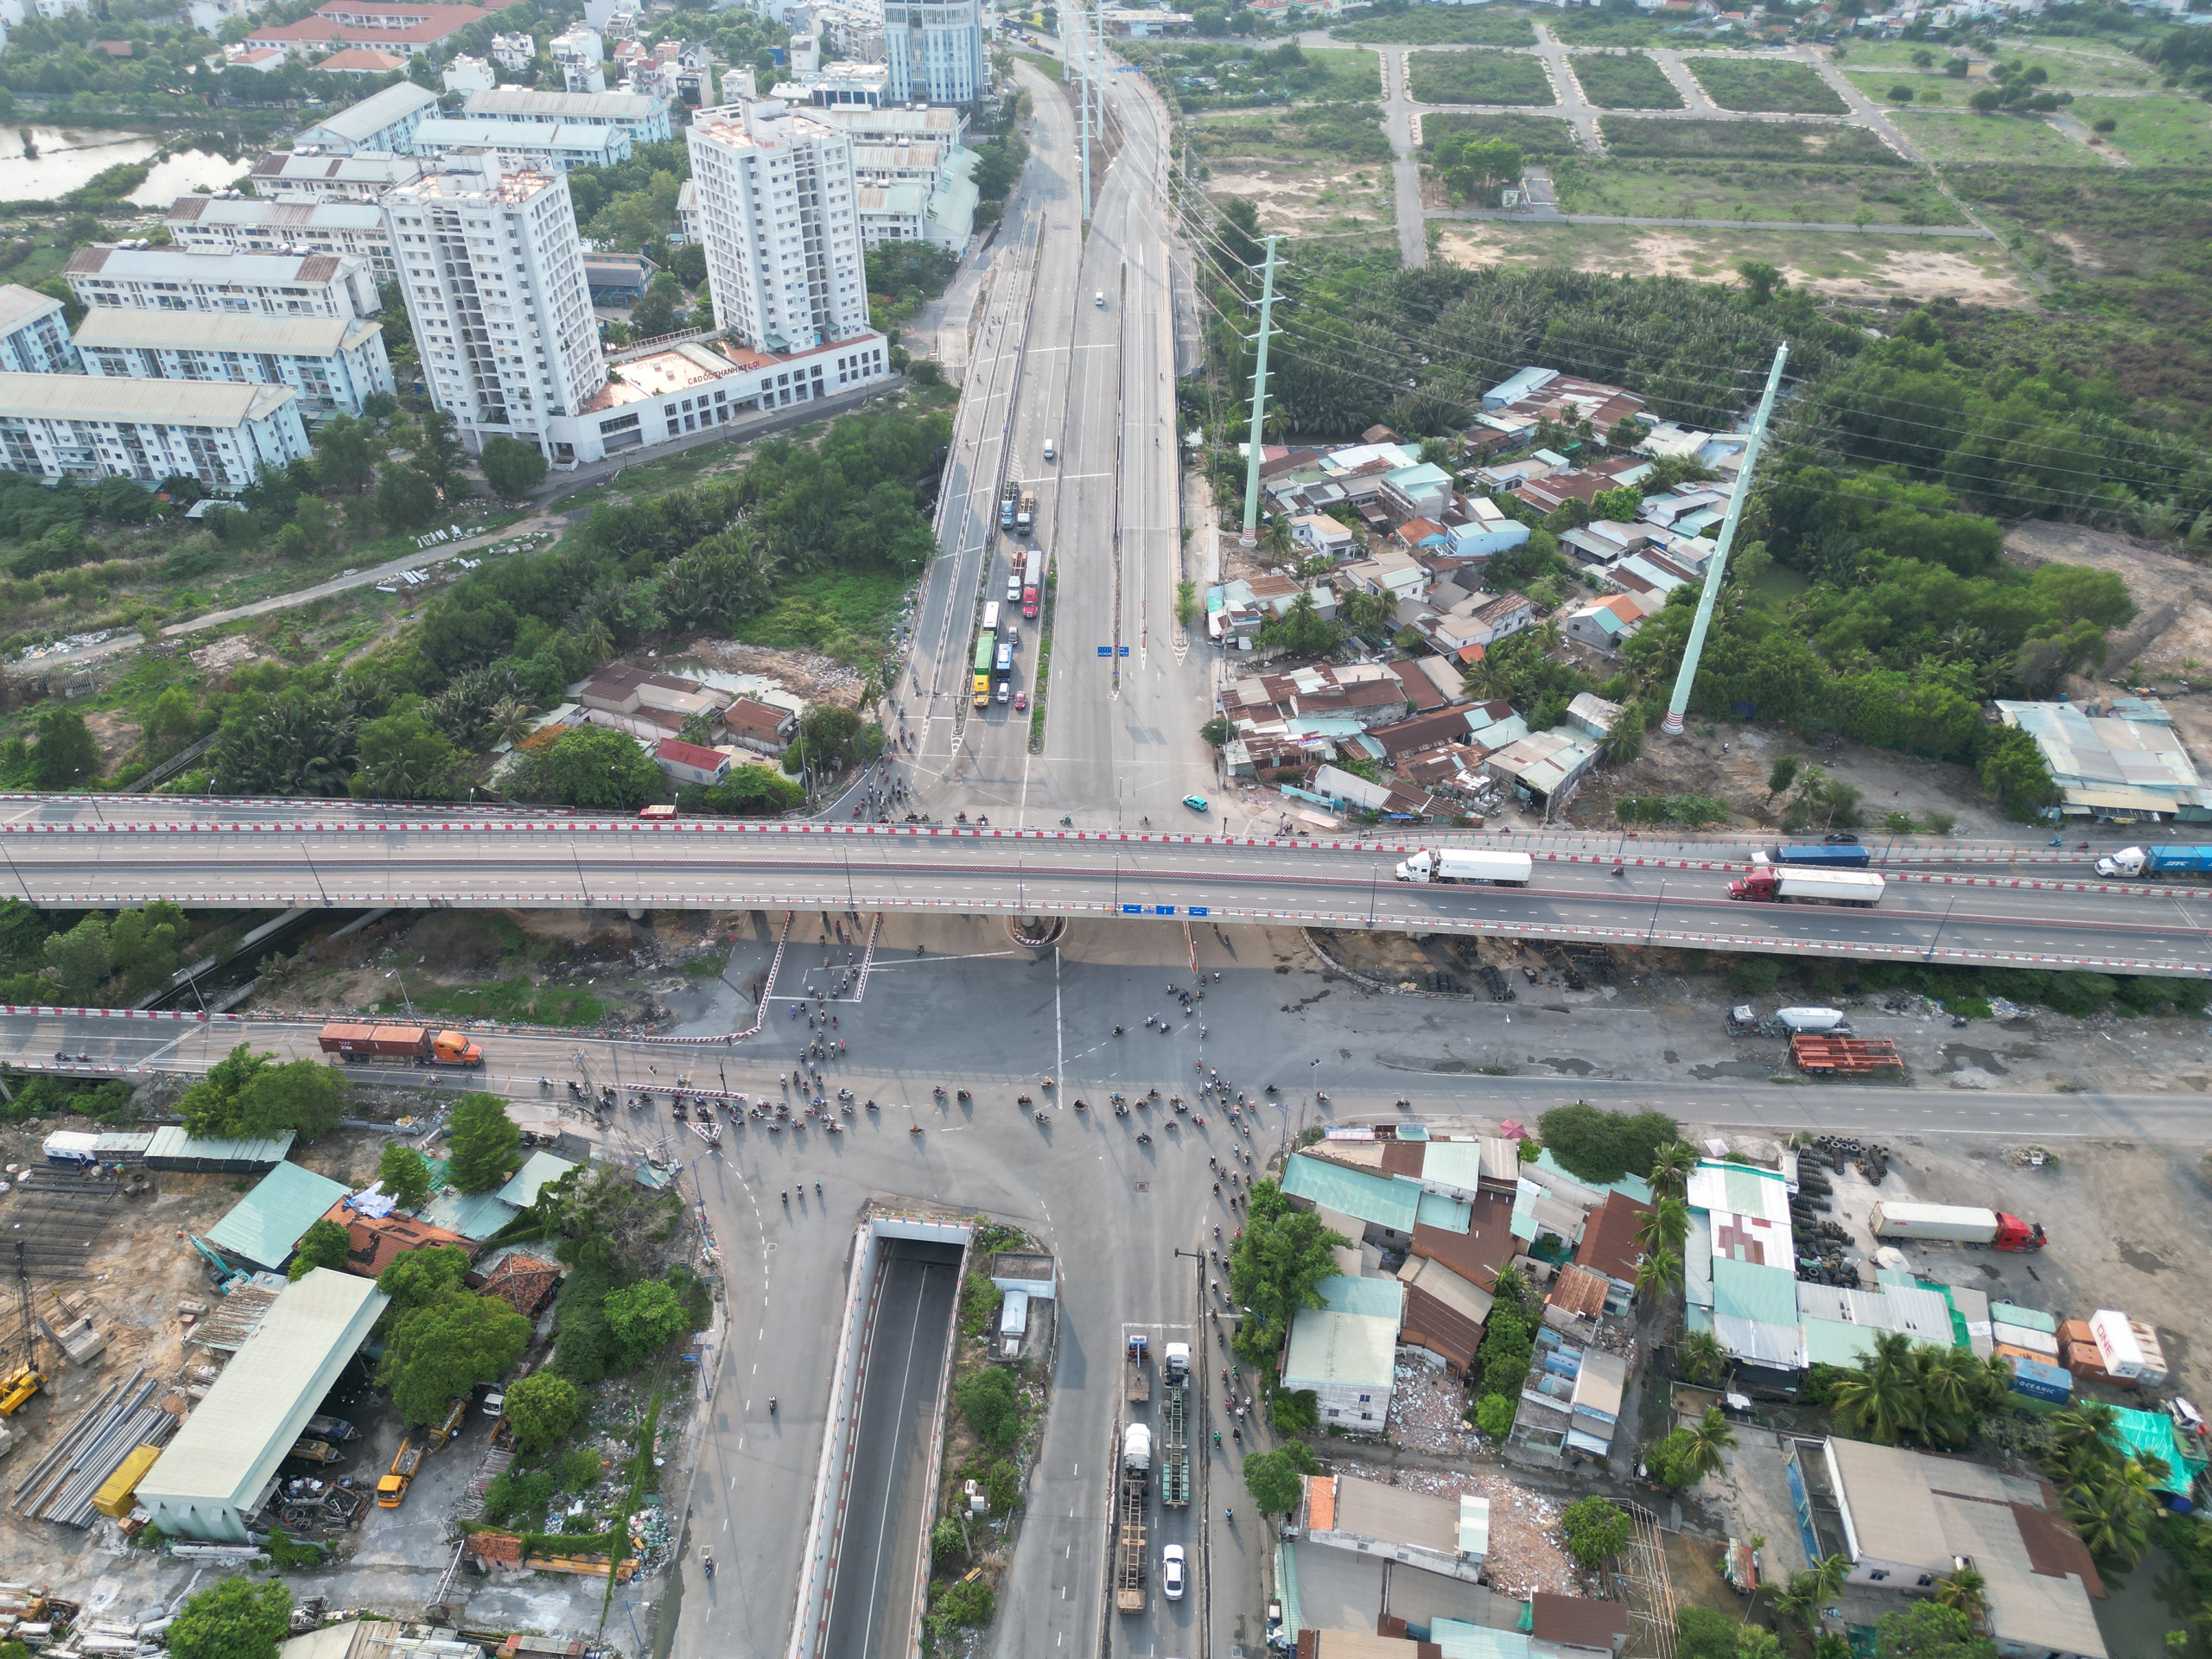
x,y
1596,1529
1602,1145
543,1407
345,454
325,1244
423,1275
439,1351
1275,1268
483,1146
78,962
406,499
404,757
1272,1479
646,1317
991,1403
210,1106
1928,1629
404,1175
512,467
64,756
594,766
234,1618
305,1097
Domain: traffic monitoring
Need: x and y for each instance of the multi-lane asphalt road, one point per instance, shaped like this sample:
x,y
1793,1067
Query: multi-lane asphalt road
x,y
2045,916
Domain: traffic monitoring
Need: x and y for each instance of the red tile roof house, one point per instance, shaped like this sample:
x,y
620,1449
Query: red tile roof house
x,y
689,763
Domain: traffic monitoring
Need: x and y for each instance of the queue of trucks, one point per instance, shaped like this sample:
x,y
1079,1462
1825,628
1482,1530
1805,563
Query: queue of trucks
x,y
1131,1537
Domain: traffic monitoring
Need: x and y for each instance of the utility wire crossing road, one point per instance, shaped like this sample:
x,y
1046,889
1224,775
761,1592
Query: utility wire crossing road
x,y
1579,890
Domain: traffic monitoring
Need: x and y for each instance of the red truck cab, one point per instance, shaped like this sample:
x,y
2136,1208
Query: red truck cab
x,y
2014,1234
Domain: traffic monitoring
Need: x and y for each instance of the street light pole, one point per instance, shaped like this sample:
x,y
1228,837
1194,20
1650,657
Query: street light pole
x,y
1940,926
1654,927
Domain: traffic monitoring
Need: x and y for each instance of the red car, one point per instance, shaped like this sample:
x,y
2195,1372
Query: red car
x,y
1020,701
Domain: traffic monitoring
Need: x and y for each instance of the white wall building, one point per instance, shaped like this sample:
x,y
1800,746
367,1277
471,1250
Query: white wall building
x,y
381,121
780,225
493,275
935,51
209,279
86,426
311,176
32,338
332,363
643,120
581,56
543,146
239,223
467,74
515,51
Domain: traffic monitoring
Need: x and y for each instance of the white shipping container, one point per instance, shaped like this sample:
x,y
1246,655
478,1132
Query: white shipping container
x,y
2116,1344
2018,1336
2154,1352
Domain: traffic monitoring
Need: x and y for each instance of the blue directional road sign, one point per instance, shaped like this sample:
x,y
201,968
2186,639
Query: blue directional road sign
x,y
1132,910
1198,910
1105,651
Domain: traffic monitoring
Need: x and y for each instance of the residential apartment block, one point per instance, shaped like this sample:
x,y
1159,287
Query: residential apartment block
x,y
33,339
230,223
401,28
935,51
87,426
307,176
382,121
332,363
209,279
644,120
538,146
780,226
493,277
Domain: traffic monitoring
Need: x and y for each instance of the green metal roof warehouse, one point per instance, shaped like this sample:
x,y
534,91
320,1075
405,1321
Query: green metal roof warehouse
x,y
220,1466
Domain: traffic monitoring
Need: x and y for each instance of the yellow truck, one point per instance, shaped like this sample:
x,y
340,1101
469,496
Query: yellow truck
x,y
445,1431
391,1490
17,1387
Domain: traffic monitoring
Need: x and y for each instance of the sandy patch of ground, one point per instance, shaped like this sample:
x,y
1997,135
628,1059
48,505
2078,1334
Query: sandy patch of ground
x,y
1293,198
225,653
1934,273
818,679
117,734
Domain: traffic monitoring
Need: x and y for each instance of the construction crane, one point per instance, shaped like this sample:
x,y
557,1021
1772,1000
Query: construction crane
x,y
18,1387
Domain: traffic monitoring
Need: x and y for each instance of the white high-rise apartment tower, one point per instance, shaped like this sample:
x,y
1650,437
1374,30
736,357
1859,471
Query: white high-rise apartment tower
x,y
494,278
780,223
935,51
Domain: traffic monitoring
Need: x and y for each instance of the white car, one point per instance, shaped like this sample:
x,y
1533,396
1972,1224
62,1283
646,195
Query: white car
x,y
1171,1572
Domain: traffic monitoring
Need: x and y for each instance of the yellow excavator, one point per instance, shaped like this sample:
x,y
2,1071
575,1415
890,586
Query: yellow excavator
x,y
18,1387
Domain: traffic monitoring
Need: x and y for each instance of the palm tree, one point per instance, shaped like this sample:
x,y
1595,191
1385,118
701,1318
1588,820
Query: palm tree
x,y
1660,1273
1700,1355
1670,1169
1664,1226
1966,1591
508,722
1703,1441
2112,1515
2084,1430
1795,1599
1509,1285
1880,1398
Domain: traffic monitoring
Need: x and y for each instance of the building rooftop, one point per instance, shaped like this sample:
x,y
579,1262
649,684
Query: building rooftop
x,y
366,167
217,331
235,1437
1394,1515
1576,1622
264,1227
483,133
505,102
377,111
1581,1292
1339,1348
540,1169
204,265
727,124
361,59
1608,1238
276,215
678,369
483,179
2113,762
19,305
170,1140
102,398
1382,1200
374,1243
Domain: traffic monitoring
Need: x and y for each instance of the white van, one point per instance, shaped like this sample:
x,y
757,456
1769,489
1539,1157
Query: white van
x,y
1050,453
1098,299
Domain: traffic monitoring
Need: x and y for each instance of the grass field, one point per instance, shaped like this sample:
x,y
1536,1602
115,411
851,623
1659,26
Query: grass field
x,y
1320,168
1581,28
1478,78
513,1001
1750,190
1232,78
1889,55
1851,265
1441,26
1961,138
2159,131
1351,71
1624,80
1765,85
2081,66
848,614
1746,141
1542,137
1928,92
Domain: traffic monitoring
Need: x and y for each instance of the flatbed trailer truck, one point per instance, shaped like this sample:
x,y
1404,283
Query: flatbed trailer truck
x,y
1129,1543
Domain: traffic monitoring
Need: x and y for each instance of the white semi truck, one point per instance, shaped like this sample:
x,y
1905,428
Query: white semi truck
x,y
1452,864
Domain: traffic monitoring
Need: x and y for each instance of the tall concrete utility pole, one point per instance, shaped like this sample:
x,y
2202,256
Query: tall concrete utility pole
x,y
1688,673
1077,54
1259,401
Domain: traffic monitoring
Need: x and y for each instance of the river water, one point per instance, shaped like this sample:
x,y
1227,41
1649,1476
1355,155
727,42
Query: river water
x,y
69,157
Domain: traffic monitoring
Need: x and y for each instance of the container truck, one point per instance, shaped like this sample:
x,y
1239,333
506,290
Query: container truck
x,y
1009,499
1448,865
1025,516
1955,1223
1032,582
2157,860
1130,1546
1175,1442
418,1044
1847,857
1771,884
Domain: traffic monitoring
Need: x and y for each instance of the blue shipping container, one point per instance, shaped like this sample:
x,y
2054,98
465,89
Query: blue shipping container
x,y
2041,1381
1835,858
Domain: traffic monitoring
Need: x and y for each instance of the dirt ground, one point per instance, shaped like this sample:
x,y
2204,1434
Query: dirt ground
x,y
1290,198
1730,762
1891,274
2168,647
818,679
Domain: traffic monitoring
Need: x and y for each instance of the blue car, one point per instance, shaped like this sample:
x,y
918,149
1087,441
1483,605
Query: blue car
x,y
1196,803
